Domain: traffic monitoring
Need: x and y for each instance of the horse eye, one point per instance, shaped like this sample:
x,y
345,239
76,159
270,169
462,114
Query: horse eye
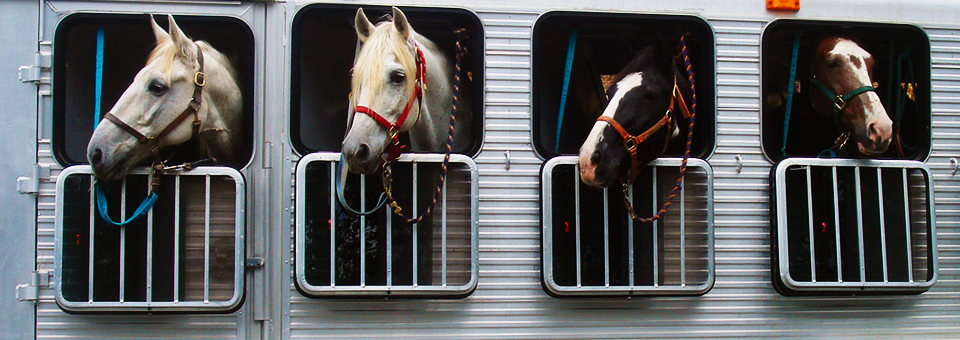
x,y
833,62
397,77
156,87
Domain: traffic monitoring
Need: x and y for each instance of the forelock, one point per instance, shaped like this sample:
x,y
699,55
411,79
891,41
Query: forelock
x,y
368,68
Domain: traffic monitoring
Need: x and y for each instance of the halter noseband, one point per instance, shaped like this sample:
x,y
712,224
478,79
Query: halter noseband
x,y
393,130
199,80
631,142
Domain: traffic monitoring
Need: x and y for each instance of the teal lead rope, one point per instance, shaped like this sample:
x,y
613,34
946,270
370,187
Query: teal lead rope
x,y
148,202
141,211
790,90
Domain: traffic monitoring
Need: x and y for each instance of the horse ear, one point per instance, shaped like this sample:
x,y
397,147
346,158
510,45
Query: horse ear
x,y
667,52
180,40
401,23
363,25
158,32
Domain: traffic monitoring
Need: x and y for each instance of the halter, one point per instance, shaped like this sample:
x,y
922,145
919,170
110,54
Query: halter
x,y
152,143
393,130
630,142
839,101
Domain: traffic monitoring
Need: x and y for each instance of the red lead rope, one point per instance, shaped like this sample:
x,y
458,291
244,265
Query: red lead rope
x,y
395,149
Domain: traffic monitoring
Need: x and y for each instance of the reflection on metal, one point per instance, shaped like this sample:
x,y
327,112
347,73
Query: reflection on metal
x,y
607,252
379,254
186,255
852,226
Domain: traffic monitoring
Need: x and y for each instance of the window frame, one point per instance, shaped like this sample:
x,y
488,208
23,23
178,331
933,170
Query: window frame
x,y
780,244
441,290
656,289
176,306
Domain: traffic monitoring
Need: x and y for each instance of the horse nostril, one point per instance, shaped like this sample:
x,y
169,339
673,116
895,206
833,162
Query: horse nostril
x,y
595,157
363,151
96,157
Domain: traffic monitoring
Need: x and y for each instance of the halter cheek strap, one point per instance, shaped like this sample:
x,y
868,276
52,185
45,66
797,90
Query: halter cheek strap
x,y
393,130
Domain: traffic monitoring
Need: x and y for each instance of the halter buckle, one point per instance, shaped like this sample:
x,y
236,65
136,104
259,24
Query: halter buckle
x,y
839,103
199,79
394,133
630,143
841,141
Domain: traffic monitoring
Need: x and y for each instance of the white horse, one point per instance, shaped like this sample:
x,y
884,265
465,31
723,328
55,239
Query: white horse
x,y
385,86
159,108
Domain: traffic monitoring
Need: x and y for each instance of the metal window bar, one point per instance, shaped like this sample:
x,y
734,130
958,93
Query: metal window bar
x,y
915,180
662,274
227,236
447,266
654,233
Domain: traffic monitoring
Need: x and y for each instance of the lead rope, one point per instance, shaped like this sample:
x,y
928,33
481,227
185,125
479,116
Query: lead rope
x,y
686,154
387,173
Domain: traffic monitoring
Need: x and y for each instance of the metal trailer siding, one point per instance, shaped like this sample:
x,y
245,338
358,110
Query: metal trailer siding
x,y
20,99
510,302
51,321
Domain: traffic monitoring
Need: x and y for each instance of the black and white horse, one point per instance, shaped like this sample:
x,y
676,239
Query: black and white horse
x,y
640,120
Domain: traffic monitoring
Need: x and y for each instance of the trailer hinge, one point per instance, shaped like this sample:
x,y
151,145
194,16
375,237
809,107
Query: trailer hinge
x,y
31,185
254,263
31,291
34,73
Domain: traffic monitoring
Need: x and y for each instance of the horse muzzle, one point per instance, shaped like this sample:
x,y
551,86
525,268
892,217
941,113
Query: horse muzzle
x,y
878,134
361,158
592,173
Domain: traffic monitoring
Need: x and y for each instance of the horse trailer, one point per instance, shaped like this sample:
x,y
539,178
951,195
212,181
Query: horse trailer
x,y
767,224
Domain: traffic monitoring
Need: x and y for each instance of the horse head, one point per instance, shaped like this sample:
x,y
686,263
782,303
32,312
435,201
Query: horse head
x,y
386,85
843,74
637,116
159,108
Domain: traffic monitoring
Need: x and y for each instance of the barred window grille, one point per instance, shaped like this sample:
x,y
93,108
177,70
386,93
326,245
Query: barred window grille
x,y
434,258
184,255
592,247
853,226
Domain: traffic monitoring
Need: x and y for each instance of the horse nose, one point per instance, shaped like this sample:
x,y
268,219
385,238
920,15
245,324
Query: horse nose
x,y
879,132
96,158
596,157
363,152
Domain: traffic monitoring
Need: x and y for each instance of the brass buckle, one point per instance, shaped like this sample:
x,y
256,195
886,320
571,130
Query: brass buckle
x,y
199,79
394,132
839,103
630,143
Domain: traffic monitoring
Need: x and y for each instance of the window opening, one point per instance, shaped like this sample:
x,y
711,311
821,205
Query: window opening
x,y
901,73
323,48
126,43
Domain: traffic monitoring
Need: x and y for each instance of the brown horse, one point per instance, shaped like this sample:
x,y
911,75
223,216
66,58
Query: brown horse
x,y
843,73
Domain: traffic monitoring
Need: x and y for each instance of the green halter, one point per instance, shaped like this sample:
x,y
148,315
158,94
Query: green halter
x,y
839,101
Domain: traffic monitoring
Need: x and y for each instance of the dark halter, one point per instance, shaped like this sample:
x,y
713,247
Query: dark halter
x,y
631,142
839,101
393,130
151,143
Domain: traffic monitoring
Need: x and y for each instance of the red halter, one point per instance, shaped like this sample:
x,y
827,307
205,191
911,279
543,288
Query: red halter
x,y
395,149
630,142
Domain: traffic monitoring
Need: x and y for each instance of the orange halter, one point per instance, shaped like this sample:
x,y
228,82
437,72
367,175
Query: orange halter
x,y
630,142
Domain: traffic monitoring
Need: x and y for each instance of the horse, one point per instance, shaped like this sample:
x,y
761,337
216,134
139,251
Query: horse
x,y
843,74
182,79
402,82
640,119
